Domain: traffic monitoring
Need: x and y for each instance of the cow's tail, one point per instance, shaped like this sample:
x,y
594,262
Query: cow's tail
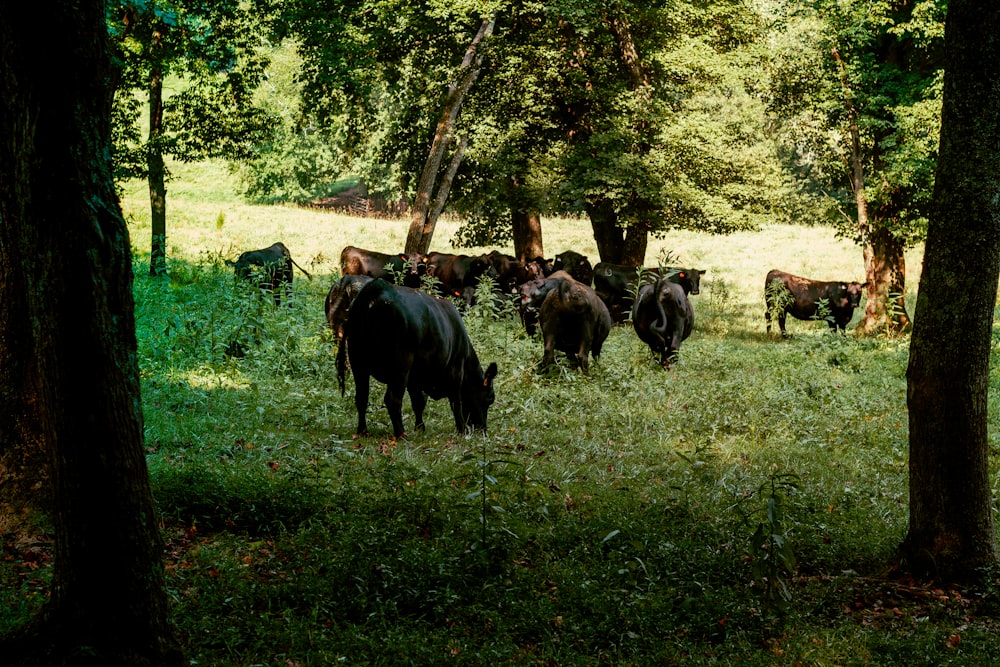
x,y
342,364
300,268
659,325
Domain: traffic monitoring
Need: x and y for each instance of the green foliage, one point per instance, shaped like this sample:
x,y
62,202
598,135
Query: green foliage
x,y
211,52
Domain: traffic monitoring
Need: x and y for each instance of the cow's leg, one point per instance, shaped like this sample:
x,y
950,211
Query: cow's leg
x,y
361,392
781,323
419,401
394,405
583,354
456,409
767,318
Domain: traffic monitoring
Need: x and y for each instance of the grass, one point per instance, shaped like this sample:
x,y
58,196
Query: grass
x,y
742,508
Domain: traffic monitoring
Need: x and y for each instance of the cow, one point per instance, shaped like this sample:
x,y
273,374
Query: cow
x,y
532,294
575,321
339,300
360,262
268,268
574,264
617,284
785,293
662,317
512,272
458,272
413,342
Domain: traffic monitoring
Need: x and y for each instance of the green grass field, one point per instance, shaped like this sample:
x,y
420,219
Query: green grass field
x,y
742,508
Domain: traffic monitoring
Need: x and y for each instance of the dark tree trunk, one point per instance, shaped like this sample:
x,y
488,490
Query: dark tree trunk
x,y
614,244
157,176
885,277
527,226
68,347
951,532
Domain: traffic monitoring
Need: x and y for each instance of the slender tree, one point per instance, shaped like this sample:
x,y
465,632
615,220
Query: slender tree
x,y
212,49
69,376
951,531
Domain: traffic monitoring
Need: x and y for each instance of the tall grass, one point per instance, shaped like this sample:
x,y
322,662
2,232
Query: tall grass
x,y
741,508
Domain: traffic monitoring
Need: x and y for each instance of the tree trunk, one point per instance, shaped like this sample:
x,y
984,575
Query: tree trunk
x,y
615,244
68,346
951,532
442,196
527,226
885,290
421,226
157,174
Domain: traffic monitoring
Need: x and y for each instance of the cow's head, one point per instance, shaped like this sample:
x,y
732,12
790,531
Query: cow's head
x,y
477,397
851,293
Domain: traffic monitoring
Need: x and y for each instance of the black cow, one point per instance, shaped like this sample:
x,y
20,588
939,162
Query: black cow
x,y
663,317
575,321
512,272
617,284
458,272
268,268
361,262
413,342
339,300
801,297
576,265
532,294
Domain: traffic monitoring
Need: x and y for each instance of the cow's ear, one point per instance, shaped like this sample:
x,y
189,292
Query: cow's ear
x,y
491,372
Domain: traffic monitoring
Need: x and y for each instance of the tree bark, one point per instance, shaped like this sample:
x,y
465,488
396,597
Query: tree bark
x,y
951,531
442,196
615,244
68,346
527,226
157,175
885,288
420,222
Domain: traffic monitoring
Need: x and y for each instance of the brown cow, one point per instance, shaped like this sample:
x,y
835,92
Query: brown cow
x,y
803,296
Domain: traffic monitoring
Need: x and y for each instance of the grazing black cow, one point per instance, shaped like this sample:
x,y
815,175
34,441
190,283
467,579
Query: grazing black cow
x,y
269,269
617,284
575,321
457,272
532,294
361,262
413,342
803,296
339,300
663,317
576,265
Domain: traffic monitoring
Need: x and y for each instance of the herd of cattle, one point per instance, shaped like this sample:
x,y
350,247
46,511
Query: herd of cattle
x,y
415,342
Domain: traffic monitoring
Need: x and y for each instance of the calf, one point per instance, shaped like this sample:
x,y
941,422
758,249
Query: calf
x,y
617,284
339,300
413,342
458,272
663,317
512,272
360,262
575,321
803,296
576,265
269,269
532,294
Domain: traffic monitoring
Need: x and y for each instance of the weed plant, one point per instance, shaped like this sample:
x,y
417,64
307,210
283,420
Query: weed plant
x,y
742,508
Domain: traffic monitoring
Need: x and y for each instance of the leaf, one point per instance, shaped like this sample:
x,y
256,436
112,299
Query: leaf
x,y
610,535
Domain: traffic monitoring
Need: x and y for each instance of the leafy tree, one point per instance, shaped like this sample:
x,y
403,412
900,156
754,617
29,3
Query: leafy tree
x,y
951,531
857,86
579,107
212,49
69,379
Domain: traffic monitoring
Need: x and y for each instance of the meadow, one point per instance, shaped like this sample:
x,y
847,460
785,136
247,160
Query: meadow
x,y
742,508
